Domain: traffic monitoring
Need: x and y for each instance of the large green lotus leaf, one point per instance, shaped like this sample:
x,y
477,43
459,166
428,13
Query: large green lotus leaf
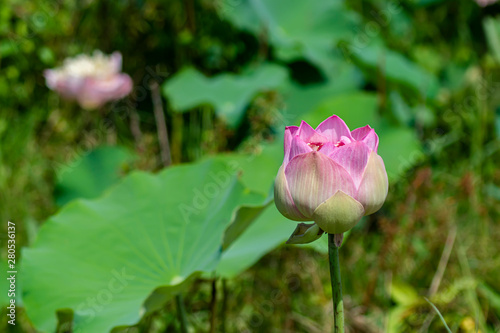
x,y
229,94
397,69
260,169
91,173
257,170
268,231
245,216
102,258
306,29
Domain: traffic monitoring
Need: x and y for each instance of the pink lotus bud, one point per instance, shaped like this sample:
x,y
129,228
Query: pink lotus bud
x,y
90,80
330,175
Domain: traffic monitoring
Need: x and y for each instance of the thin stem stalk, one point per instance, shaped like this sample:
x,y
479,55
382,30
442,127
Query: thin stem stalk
x,y
161,125
334,242
213,306
181,312
225,293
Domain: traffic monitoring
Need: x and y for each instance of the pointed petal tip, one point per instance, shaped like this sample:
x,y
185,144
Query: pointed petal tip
x,y
309,134
305,233
304,126
334,128
367,135
297,147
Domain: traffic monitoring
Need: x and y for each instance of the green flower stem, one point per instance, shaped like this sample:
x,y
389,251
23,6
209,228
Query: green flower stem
x,y
213,306
225,293
181,312
334,242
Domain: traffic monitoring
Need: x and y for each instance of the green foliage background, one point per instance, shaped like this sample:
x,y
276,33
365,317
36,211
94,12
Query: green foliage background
x,y
232,73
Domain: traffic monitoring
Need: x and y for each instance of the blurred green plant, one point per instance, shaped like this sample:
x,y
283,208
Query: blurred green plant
x,y
229,94
92,173
423,73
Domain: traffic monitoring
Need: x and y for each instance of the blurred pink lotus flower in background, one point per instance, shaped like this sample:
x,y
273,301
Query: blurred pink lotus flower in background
x,y
331,176
90,80
484,3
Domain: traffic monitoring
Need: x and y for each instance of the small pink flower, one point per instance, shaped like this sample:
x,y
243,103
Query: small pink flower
x,y
484,3
90,80
331,176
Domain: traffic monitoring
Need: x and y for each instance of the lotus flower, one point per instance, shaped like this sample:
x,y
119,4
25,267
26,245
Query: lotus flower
x,y
484,3
331,176
90,80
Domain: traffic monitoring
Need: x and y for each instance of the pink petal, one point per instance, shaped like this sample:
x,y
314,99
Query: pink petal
x,y
371,140
327,149
374,185
67,86
96,92
116,87
353,158
283,199
51,78
313,178
297,147
308,134
359,133
289,134
71,86
116,62
333,128
292,129
367,135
